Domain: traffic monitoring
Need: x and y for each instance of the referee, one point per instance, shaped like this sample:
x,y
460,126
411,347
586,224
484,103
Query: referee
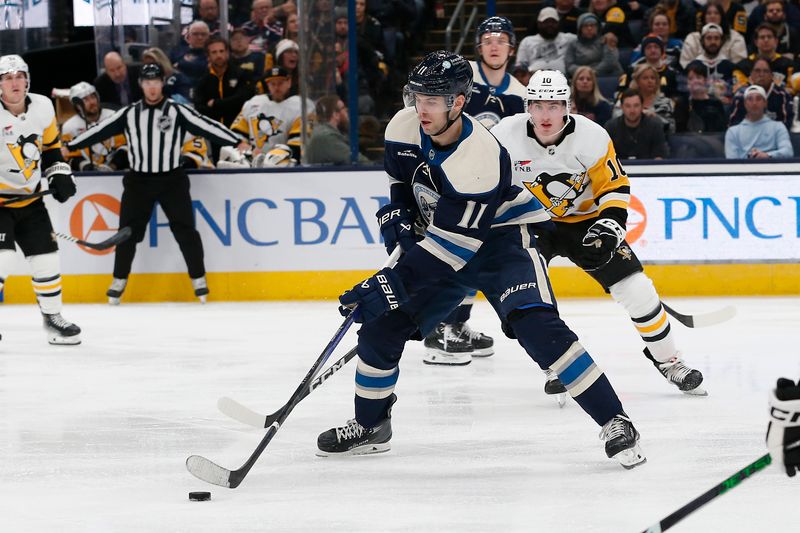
x,y
154,128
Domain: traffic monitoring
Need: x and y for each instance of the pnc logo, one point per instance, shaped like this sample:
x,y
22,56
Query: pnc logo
x,y
95,218
637,220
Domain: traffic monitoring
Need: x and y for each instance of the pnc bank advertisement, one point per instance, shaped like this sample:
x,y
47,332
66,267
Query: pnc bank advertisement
x,y
324,221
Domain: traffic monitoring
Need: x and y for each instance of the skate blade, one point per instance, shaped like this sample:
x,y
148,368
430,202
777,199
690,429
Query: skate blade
x,y
435,357
697,391
561,398
446,362
631,458
58,340
369,449
485,352
203,299
113,301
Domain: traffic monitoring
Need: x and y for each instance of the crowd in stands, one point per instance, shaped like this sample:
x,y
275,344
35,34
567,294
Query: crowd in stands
x,y
655,73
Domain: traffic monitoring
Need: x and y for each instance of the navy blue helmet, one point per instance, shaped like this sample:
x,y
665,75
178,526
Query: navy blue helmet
x,y
151,71
496,25
441,73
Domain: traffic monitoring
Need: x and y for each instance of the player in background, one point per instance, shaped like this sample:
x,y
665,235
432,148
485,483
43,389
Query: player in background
x,y
569,164
110,154
783,431
449,175
30,144
495,94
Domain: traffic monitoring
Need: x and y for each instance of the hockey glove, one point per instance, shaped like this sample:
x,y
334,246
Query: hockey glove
x,y
374,296
60,181
397,227
600,243
783,431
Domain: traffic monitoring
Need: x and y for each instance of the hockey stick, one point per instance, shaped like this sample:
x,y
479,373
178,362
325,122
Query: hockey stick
x,y
245,415
702,320
26,197
208,471
121,236
759,464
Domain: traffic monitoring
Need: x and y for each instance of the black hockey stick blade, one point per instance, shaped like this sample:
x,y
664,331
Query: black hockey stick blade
x,y
245,415
17,199
702,320
758,465
121,236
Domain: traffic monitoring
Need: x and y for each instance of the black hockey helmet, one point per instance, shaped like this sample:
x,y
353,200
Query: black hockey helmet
x,y
151,71
440,73
496,25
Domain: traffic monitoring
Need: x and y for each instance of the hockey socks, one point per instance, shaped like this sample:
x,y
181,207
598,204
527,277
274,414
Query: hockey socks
x,y
46,279
374,392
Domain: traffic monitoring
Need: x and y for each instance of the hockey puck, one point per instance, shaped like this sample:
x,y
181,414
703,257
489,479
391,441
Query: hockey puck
x,y
199,496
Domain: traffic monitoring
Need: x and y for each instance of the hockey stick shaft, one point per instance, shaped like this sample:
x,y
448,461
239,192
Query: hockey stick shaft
x,y
758,465
703,319
25,198
121,236
211,472
245,415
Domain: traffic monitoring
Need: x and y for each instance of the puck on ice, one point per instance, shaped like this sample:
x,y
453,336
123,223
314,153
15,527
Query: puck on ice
x,y
199,496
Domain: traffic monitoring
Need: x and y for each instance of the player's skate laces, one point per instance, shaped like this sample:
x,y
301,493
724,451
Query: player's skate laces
x,y
687,379
444,347
622,441
482,345
355,439
59,330
114,292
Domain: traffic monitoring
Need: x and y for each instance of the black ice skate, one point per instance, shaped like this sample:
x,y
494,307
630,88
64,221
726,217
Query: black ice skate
x,y
554,387
114,292
355,439
685,378
482,345
200,289
444,347
60,331
622,442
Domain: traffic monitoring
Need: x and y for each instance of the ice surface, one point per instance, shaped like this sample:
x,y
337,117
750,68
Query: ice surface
x,y
94,437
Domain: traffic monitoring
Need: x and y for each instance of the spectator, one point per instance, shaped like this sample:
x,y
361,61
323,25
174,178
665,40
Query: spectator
x,y
223,90
395,16
654,102
177,85
369,28
588,100
547,49
635,134
779,101
720,69
568,13
766,42
590,50
118,85
653,48
370,76
208,11
733,45
658,22
614,23
521,73
699,112
328,144
287,56
263,28
735,16
758,16
681,14
757,136
252,64
191,59
292,29
788,37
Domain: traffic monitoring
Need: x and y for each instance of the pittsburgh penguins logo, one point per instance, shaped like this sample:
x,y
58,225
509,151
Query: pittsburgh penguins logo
x,y
268,125
557,192
26,152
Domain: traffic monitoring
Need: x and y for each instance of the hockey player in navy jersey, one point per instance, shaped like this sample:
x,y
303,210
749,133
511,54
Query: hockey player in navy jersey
x,y
569,164
452,179
495,94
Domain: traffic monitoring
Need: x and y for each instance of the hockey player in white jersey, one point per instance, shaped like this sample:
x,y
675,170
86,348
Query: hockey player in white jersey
x,y
31,145
569,163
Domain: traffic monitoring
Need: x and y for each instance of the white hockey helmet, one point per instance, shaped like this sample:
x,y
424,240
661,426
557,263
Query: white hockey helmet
x,y
14,63
78,92
549,85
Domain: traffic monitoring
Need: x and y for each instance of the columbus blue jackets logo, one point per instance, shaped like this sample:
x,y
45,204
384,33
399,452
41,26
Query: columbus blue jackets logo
x,y
427,199
557,192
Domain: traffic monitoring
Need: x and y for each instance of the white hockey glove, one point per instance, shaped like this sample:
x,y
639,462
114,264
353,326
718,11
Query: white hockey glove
x,y
783,431
231,157
600,242
60,181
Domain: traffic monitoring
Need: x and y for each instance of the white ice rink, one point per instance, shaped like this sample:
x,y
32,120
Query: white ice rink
x,y
94,437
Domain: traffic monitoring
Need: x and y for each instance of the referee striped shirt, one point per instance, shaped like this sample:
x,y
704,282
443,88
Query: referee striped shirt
x,y
155,133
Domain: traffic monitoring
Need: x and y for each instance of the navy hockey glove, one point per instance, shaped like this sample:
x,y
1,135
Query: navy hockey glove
x,y
783,431
374,296
397,227
60,181
600,243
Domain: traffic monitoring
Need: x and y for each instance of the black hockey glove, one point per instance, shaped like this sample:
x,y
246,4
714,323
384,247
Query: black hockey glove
x,y
600,243
60,181
783,431
374,296
397,227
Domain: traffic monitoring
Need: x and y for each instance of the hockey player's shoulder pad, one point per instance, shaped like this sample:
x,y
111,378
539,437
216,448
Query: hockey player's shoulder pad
x,y
474,167
516,88
510,128
404,127
591,139
41,108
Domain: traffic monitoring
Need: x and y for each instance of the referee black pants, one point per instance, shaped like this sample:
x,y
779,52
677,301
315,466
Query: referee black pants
x,y
171,191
